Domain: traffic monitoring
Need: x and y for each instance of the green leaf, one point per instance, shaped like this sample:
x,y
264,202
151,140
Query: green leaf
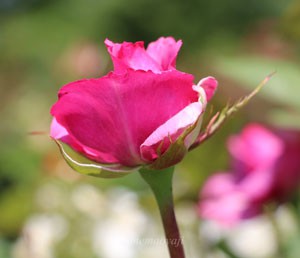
x,y
88,167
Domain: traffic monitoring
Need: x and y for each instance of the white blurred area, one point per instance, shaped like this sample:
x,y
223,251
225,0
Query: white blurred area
x,y
88,223
40,234
259,237
81,220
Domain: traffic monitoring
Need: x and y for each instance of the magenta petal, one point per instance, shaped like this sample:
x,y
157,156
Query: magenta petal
x,y
228,209
159,141
209,84
257,184
256,147
116,113
164,51
131,55
218,185
228,200
58,132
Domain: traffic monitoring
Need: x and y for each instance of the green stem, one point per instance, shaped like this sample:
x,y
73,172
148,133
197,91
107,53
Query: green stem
x,y
160,181
222,245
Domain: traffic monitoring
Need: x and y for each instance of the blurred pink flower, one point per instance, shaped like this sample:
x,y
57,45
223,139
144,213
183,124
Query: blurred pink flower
x,y
266,168
133,115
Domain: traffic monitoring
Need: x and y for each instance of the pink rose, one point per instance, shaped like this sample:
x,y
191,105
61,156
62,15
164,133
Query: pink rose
x,y
266,167
145,112
158,57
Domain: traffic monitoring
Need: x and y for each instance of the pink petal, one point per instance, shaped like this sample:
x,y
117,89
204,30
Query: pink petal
x,y
223,199
229,199
164,51
229,209
131,55
257,185
209,84
159,141
58,132
218,185
116,113
256,146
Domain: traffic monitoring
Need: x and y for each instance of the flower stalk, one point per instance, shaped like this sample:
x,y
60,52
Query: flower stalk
x,y
160,181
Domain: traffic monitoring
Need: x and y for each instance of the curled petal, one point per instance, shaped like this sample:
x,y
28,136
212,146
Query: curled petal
x,y
166,134
209,84
57,131
131,55
159,56
164,51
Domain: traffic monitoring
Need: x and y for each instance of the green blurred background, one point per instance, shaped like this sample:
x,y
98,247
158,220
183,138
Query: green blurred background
x,y
46,44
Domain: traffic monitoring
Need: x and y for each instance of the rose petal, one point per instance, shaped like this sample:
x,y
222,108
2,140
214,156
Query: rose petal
x,y
228,209
223,199
58,132
257,185
159,141
218,185
256,147
116,113
130,55
164,51
209,84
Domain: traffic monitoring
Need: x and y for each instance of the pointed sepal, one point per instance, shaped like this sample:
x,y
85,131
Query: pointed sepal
x,y
221,117
86,166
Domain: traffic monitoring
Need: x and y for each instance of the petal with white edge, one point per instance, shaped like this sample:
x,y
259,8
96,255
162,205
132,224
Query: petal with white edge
x,y
166,134
209,84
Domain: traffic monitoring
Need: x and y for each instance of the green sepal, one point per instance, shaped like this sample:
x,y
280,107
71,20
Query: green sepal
x,y
217,121
85,166
176,151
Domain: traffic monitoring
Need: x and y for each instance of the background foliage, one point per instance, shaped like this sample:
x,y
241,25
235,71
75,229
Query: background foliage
x,y
45,44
